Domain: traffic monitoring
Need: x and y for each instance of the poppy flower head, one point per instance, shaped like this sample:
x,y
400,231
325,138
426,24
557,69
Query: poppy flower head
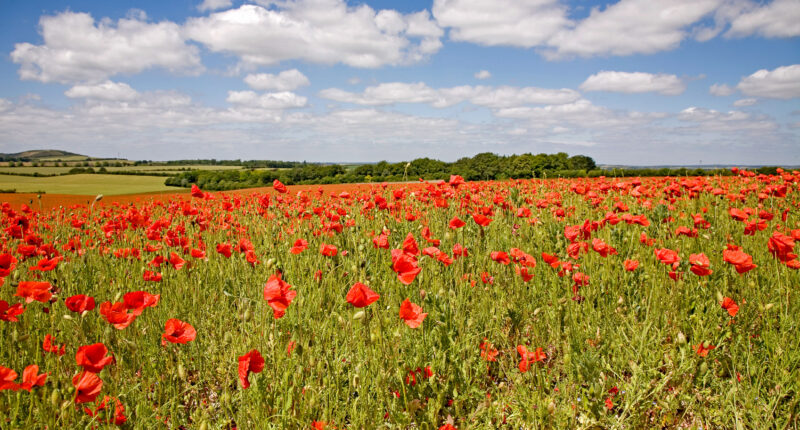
x,y
93,357
177,331
87,386
10,313
412,314
136,301
278,295
361,295
252,362
38,291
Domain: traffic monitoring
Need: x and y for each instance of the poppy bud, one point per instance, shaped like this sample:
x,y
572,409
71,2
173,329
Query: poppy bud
x,y
704,367
768,306
181,371
422,294
358,315
719,297
681,338
270,263
228,338
67,317
65,404
54,398
536,311
551,407
246,315
204,425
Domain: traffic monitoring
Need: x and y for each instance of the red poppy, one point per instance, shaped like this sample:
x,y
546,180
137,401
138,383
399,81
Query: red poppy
x,y
278,294
80,303
405,266
177,331
488,351
411,314
87,386
31,378
119,417
48,346
116,314
196,192
410,246
602,248
136,301
456,223
481,219
7,264
328,250
361,295
729,305
455,181
7,377
252,362
10,313
667,256
176,261
224,249
631,265
700,264
381,241
93,357
30,291
300,245
702,349
526,357
149,276
523,272
500,257
279,187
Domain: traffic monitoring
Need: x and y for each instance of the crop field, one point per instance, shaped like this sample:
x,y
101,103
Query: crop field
x,y
91,185
584,303
58,170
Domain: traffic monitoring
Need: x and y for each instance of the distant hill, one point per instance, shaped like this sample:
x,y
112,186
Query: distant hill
x,y
43,155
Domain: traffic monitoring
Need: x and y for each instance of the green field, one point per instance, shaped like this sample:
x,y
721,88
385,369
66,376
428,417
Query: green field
x,y
86,184
57,170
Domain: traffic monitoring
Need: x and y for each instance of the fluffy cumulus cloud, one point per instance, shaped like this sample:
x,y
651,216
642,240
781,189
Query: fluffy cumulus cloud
x,y
779,18
76,48
630,27
318,31
419,92
624,27
721,90
636,82
207,5
581,114
781,83
726,122
522,23
288,80
279,100
103,91
483,74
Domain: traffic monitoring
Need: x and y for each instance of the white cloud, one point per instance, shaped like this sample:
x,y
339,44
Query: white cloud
x,y
522,23
721,90
781,83
636,82
318,31
727,122
107,90
745,102
630,27
780,18
483,74
76,49
287,80
279,100
419,92
581,114
214,5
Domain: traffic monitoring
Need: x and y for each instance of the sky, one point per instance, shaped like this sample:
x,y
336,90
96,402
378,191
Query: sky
x,y
635,82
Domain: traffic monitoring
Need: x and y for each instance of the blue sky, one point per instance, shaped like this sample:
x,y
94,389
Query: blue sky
x,y
626,82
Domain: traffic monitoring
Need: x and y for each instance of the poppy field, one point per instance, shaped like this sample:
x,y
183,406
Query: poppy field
x,y
665,302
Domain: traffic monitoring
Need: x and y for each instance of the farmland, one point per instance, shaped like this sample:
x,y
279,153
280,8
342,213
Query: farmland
x,y
538,303
85,184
